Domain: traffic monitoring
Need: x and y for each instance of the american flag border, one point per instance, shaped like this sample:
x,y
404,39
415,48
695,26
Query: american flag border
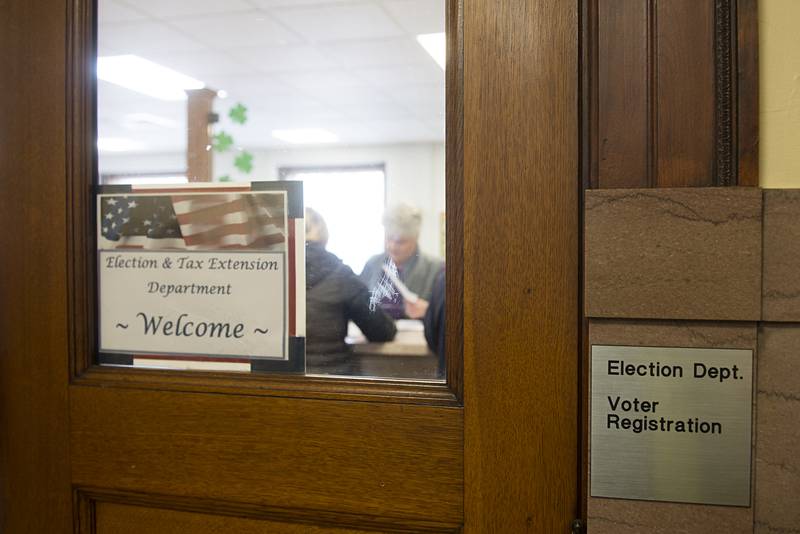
x,y
294,361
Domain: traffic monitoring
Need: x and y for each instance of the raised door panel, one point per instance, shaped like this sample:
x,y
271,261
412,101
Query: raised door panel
x,y
624,93
392,461
671,93
112,518
684,94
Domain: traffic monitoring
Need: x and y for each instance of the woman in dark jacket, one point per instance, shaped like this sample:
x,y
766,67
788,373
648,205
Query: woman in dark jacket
x,y
334,296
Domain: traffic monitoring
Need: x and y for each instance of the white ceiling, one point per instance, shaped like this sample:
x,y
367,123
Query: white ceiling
x,y
353,67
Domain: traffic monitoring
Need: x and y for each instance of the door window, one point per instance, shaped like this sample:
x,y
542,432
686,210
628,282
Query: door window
x,y
345,98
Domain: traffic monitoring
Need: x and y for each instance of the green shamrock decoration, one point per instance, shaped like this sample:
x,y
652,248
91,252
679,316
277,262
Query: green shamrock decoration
x,y
222,142
244,162
238,113
225,178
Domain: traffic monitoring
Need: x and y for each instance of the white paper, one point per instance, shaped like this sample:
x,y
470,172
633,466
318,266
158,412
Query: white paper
x,y
408,295
182,302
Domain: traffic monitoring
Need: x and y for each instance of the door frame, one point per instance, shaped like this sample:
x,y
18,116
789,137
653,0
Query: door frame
x,y
512,147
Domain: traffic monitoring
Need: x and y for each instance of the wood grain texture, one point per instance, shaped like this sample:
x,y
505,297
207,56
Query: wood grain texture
x,y
454,191
624,93
35,492
384,460
674,92
683,253
122,519
81,169
747,91
587,32
117,518
685,105
521,265
167,513
269,385
199,160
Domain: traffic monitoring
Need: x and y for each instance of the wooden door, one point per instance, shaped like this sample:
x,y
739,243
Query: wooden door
x,y
495,449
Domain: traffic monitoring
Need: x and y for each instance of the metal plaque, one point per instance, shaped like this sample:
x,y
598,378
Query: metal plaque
x,y
671,424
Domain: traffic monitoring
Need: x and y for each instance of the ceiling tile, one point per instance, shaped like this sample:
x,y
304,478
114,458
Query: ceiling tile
x,y
257,86
262,120
236,30
292,104
376,53
277,110
383,88
341,95
375,111
110,11
123,114
325,79
431,95
113,99
183,8
386,131
145,38
418,16
283,58
339,22
402,75
203,65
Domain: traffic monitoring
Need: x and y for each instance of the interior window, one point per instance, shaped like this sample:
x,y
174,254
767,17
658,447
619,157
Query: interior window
x,y
346,98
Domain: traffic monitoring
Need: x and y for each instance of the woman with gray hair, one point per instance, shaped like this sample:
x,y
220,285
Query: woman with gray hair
x,y
334,296
415,270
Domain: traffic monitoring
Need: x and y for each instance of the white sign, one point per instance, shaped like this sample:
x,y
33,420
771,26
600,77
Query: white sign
x,y
187,302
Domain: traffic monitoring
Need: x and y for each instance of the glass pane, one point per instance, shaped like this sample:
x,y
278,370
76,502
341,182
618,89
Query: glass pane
x,y
345,98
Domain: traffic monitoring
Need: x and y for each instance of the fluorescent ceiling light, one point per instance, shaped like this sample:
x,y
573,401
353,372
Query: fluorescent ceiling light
x,y
305,136
118,144
435,44
144,76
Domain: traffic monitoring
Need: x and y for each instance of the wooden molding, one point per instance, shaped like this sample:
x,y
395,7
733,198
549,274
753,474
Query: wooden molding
x,y
673,93
725,84
271,385
81,175
747,92
454,192
86,501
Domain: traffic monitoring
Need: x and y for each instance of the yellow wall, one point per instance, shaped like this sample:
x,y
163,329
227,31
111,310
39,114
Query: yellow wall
x,y
779,56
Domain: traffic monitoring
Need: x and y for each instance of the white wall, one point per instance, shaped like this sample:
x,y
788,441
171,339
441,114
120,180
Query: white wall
x,y
173,162
414,173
